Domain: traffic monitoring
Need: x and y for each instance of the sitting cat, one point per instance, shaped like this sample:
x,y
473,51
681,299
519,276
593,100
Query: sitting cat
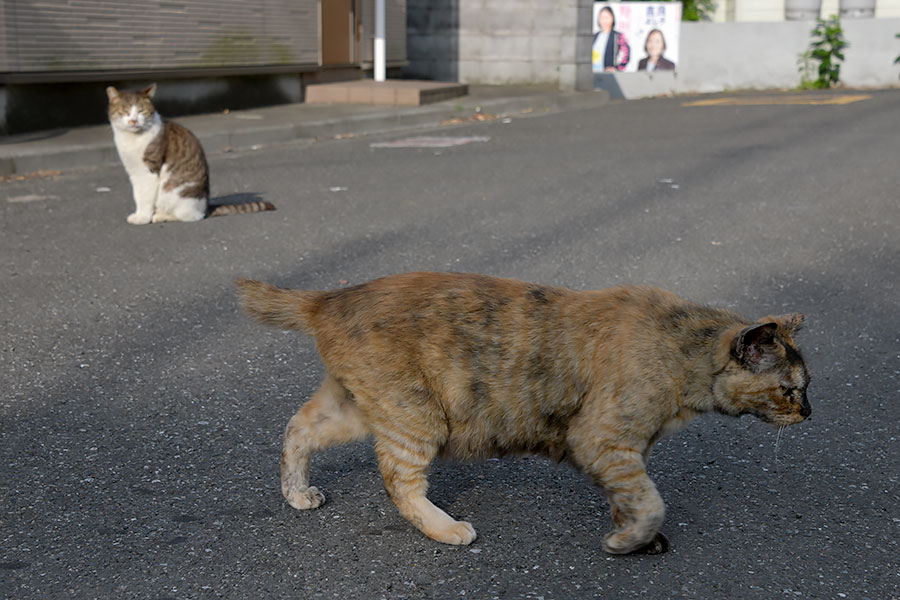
x,y
165,162
470,366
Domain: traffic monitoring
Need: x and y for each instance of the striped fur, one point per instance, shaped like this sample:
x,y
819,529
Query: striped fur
x,y
470,366
243,208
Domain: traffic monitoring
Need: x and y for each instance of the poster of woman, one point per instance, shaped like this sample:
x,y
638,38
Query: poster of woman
x,y
635,36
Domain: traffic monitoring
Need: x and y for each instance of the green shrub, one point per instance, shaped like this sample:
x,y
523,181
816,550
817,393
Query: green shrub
x,y
698,10
897,60
827,49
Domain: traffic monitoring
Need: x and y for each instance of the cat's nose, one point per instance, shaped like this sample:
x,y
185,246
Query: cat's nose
x,y
805,408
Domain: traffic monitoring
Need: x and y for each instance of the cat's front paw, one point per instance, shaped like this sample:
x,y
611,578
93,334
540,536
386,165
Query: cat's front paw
x,y
305,499
138,219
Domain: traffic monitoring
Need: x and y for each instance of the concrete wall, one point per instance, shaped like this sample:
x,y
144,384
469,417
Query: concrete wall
x,y
548,43
540,42
715,57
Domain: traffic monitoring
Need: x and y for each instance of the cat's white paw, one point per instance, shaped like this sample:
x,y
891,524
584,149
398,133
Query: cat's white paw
x,y
162,218
138,219
305,499
459,533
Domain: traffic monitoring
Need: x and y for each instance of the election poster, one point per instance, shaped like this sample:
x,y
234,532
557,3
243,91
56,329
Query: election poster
x,y
635,36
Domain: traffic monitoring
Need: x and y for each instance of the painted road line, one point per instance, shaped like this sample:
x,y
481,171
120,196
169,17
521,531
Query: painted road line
x,y
780,100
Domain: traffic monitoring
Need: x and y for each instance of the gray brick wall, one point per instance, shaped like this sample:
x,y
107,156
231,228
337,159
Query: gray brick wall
x,y
501,41
59,35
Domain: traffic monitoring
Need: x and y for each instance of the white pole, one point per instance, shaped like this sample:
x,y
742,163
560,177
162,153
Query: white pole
x,y
379,40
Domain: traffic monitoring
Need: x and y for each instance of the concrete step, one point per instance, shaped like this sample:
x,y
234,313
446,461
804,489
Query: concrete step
x,y
393,92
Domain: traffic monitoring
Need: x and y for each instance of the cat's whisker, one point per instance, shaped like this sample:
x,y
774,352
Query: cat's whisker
x,y
778,440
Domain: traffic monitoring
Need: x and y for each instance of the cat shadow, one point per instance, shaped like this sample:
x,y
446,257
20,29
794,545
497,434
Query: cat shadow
x,y
239,198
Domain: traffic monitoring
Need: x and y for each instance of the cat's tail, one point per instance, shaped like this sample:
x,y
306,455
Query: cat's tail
x,y
242,208
277,307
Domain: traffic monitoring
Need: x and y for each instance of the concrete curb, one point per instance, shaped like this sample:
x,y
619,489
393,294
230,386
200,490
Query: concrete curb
x,y
93,146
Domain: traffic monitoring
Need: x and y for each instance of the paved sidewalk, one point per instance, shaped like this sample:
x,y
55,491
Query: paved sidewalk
x,y
93,146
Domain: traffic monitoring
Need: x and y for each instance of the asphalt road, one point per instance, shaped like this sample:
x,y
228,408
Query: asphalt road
x,y
141,414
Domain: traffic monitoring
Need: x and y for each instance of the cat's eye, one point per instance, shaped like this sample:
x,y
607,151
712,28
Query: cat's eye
x,y
786,391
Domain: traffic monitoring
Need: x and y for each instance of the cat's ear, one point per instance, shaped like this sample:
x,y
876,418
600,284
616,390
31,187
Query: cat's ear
x,y
149,91
789,324
754,347
112,93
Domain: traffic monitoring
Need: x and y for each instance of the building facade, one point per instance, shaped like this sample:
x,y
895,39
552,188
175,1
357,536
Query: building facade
x,y
205,54
742,11
507,42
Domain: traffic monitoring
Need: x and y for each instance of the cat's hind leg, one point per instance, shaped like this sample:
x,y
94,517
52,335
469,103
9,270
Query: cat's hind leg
x,y
190,209
404,454
161,217
173,207
329,417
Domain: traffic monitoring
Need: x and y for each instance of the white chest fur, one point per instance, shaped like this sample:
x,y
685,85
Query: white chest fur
x,y
132,145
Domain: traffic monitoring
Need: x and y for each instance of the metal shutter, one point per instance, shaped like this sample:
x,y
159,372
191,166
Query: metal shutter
x,y
58,35
394,30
